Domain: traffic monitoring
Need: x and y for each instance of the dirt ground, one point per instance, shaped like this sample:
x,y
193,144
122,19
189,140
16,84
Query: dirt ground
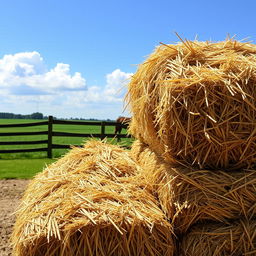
x,y
10,195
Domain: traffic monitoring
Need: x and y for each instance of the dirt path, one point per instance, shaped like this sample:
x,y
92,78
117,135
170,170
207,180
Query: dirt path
x,y
10,194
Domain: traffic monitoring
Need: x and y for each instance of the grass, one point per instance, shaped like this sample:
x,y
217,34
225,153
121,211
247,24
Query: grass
x,y
26,165
22,168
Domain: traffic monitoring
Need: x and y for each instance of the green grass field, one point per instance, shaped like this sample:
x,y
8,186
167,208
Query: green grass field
x,y
26,165
22,168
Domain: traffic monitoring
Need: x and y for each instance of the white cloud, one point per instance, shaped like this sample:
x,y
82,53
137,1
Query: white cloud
x,y
26,71
26,86
22,64
116,82
111,93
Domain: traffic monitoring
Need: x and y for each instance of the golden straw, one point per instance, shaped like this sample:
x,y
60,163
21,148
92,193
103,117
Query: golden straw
x,y
194,102
91,202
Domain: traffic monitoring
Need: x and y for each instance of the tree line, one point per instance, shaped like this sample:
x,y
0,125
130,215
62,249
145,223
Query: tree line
x,y
36,115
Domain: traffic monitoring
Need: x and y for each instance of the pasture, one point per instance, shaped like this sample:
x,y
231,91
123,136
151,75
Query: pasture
x,y
27,164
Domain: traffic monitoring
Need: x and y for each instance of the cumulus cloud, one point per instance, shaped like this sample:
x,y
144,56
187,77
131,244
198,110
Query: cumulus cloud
x,y
26,84
113,91
116,82
110,93
26,72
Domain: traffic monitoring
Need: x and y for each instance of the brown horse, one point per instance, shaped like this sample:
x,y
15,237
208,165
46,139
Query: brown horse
x,y
121,123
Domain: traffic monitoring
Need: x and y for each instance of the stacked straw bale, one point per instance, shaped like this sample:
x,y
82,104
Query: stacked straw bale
x,y
194,116
92,201
188,196
238,238
194,103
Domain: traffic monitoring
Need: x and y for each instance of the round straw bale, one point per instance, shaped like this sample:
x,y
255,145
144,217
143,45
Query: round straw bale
x,y
188,196
91,202
236,238
155,170
194,102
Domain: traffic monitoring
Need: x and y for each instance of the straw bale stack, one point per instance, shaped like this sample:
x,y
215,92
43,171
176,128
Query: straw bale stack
x,y
91,202
237,238
189,196
194,103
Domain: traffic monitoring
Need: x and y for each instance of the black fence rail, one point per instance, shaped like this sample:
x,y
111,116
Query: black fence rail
x,y
51,133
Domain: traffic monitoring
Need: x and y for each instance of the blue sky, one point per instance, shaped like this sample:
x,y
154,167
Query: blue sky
x,y
70,58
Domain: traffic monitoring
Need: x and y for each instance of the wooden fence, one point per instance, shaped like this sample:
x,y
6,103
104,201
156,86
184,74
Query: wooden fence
x,y
51,133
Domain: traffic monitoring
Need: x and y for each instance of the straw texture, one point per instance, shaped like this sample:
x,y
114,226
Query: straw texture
x,y
189,196
194,103
91,202
234,239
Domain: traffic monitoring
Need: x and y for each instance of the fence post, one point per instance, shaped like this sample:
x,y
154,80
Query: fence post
x,y
102,133
50,122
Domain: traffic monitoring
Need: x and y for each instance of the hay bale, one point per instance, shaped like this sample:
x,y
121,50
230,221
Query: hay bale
x,y
236,238
157,173
194,102
91,202
189,196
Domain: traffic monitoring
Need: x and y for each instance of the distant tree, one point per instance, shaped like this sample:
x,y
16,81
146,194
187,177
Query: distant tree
x,y
6,115
37,115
